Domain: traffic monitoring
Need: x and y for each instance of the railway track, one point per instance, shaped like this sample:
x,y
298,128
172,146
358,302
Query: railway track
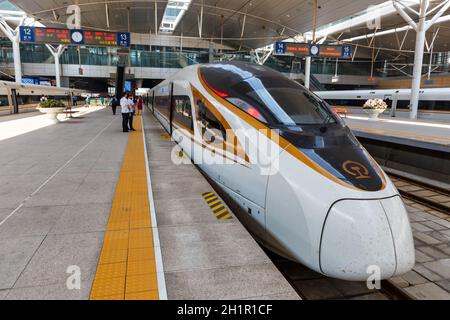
x,y
431,196
314,286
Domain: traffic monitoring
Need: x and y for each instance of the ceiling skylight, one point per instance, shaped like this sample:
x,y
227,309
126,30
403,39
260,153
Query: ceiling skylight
x,y
173,14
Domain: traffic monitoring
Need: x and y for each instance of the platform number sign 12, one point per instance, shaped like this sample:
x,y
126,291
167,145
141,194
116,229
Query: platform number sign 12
x,y
27,34
123,39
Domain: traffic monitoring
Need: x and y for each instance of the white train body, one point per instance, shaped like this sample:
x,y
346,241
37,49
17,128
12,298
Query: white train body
x,y
314,196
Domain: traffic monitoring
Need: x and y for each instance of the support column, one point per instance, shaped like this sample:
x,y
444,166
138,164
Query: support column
x,y
17,60
421,28
14,37
57,52
418,60
211,52
313,40
307,71
57,71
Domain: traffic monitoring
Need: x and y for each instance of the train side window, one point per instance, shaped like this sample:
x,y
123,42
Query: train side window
x,y
182,112
211,128
4,102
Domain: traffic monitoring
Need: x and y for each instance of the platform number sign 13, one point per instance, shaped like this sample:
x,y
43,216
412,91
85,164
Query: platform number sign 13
x,y
27,34
123,39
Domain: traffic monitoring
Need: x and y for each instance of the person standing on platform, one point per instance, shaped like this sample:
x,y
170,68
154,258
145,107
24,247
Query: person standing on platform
x,y
74,100
132,109
139,105
124,107
102,101
114,104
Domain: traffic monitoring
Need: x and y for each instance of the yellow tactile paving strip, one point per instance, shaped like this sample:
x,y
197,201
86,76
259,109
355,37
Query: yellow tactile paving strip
x,y
126,269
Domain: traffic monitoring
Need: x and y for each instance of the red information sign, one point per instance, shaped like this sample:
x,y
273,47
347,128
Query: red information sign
x,y
330,51
52,35
101,38
298,49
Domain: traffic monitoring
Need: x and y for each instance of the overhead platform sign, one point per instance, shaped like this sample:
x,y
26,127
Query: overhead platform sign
x,y
74,37
313,50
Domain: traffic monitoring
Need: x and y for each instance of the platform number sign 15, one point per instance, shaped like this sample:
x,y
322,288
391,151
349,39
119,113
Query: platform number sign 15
x,y
27,34
123,39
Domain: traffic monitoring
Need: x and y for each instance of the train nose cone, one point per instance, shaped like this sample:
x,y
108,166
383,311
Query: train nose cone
x,y
360,235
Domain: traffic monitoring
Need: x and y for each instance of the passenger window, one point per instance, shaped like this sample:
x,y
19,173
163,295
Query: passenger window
x,y
182,112
211,128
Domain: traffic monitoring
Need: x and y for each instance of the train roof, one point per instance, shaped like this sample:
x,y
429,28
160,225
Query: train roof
x,y
236,71
36,89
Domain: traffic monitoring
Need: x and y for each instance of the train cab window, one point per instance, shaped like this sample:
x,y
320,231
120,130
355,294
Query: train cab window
x,y
211,129
266,95
182,112
290,104
282,101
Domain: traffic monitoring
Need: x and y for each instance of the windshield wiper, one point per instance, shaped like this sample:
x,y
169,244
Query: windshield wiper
x,y
327,119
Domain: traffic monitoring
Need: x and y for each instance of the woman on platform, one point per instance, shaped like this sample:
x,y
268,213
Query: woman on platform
x,y
139,105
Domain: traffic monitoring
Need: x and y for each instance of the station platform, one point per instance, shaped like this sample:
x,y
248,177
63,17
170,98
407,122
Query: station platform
x,y
90,212
415,133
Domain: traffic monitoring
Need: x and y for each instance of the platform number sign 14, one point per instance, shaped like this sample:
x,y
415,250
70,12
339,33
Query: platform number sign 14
x,y
346,52
123,39
280,48
27,34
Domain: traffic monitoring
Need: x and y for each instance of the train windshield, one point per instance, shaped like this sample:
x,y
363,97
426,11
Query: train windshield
x,y
267,96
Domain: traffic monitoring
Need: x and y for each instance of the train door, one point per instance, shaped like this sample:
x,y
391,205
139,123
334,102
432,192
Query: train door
x,y
181,116
15,103
162,104
153,101
170,107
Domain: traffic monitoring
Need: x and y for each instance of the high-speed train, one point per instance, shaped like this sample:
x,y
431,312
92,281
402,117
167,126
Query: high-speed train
x,y
305,187
21,96
437,99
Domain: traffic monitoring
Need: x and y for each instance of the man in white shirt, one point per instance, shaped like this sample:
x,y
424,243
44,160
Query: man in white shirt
x,y
124,107
131,108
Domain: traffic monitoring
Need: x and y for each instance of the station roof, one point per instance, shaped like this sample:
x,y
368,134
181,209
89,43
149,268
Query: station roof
x,y
250,24
265,22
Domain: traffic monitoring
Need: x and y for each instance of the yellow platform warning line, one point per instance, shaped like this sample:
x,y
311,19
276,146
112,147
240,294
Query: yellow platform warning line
x,y
127,268
219,210
410,135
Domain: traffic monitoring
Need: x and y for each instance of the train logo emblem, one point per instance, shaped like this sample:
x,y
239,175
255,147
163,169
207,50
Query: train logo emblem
x,y
356,169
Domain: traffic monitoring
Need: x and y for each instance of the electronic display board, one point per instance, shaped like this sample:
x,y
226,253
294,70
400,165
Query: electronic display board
x,y
45,35
100,38
74,37
330,51
298,49
313,50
